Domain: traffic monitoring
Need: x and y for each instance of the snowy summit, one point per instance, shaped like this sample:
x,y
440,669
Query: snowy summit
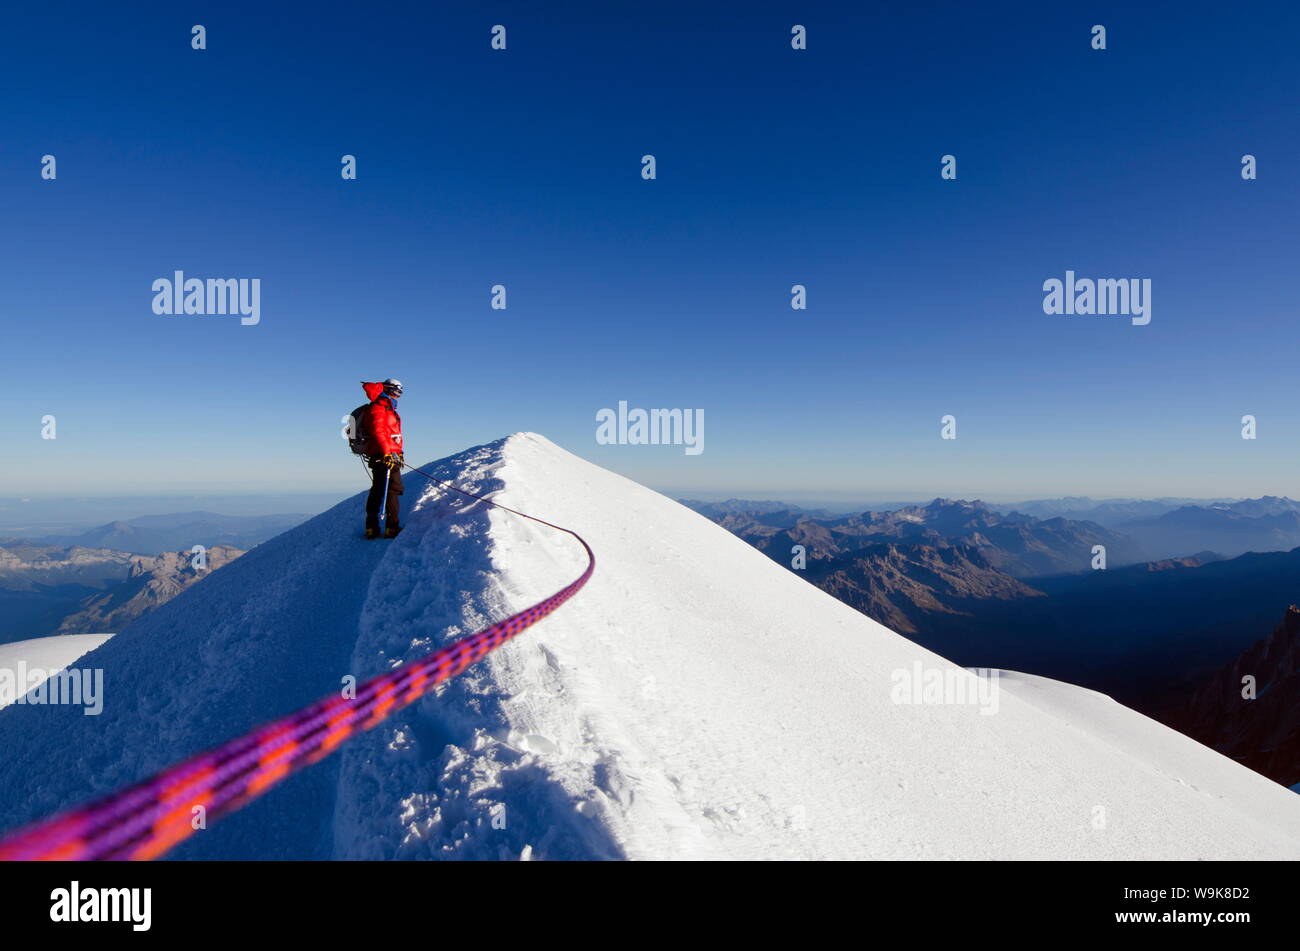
x,y
695,700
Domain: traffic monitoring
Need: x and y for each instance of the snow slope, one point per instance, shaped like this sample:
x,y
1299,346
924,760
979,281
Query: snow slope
x,y
695,700
49,654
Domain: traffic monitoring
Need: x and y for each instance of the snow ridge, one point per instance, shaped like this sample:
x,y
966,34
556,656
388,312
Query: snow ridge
x,y
452,775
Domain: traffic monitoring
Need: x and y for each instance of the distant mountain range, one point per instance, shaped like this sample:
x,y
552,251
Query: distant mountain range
x,y
67,515
180,531
1108,512
28,566
48,589
749,507
41,584
1019,545
1253,525
153,581
1152,529
908,586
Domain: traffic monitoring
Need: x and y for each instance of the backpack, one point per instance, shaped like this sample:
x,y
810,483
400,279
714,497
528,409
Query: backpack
x,y
357,435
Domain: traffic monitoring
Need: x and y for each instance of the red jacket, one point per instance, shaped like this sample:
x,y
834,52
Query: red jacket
x,y
380,424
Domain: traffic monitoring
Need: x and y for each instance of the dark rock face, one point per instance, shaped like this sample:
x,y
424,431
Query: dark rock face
x,y
1264,732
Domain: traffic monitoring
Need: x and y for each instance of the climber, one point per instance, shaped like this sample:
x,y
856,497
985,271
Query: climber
x,y
379,432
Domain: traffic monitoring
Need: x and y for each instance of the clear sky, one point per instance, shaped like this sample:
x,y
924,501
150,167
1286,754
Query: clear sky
x,y
775,167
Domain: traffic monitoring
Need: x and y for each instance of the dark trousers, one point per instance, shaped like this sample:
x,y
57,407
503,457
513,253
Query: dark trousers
x,y
378,472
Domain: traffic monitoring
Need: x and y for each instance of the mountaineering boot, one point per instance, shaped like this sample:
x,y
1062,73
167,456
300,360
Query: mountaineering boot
x,y
392,530
372,531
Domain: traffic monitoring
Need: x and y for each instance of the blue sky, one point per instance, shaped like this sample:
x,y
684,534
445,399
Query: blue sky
x,y
775,167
